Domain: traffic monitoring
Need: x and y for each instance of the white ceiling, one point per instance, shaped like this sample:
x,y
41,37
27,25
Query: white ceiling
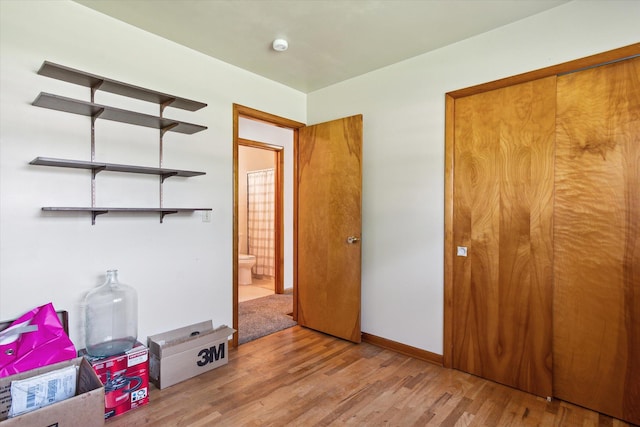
x,y
329,40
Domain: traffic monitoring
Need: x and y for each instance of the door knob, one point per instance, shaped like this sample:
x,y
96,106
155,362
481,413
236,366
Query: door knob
x,y
352,239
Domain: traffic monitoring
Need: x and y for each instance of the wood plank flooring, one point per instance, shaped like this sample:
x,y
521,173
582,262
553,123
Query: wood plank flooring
x,y
299,377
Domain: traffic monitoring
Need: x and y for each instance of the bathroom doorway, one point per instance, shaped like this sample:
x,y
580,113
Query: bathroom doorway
x,y
261,134
258,230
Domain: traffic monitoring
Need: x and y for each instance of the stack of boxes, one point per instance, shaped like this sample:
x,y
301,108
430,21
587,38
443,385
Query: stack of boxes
x,y
121,381
171,357
84,408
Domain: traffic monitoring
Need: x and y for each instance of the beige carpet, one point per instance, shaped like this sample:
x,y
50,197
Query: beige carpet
x,y
263,316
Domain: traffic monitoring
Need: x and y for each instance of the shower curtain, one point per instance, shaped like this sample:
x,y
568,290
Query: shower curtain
x,y
261,220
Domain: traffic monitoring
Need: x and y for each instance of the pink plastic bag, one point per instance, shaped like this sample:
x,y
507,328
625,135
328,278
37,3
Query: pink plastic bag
x,y
36,339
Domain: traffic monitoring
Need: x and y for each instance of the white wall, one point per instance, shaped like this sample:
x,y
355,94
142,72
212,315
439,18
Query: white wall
x,y
182,269
403,153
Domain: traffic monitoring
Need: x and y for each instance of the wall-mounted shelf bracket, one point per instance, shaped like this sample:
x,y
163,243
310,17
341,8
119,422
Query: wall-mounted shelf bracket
x,y
165,104
167,128
164,213
97,115
167,175
95,213
94,88
98,169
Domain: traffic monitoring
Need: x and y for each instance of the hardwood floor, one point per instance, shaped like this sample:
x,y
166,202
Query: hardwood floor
x,y
299,377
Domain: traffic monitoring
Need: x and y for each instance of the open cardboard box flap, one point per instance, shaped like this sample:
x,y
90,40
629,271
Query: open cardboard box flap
x,y
182,339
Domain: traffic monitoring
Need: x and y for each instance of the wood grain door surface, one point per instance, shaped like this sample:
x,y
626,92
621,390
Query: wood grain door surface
x,y
503,186
546,191
597,240
328,213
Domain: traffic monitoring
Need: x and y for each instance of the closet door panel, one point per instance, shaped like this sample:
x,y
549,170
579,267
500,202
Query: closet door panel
x,y
596,240
503,190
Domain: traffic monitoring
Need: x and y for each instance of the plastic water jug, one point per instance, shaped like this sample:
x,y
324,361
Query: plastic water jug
x,y
111,318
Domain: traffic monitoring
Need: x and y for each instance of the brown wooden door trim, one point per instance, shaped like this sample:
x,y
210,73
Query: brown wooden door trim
x,y
450,99
447,349
554,70
242,111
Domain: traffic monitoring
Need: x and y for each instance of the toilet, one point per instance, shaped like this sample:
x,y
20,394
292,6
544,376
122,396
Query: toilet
x,y
245,262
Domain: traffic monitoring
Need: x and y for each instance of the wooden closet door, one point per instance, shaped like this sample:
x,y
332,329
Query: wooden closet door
x,y
597,240
502,214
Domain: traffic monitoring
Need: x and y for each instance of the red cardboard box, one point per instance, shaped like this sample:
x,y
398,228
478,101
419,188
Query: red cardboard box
x,y
125,377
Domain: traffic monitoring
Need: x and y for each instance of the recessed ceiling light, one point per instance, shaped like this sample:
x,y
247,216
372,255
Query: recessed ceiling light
x,y
280,45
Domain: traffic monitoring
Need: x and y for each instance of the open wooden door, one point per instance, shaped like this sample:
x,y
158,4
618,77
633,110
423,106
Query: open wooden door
x,y
329,189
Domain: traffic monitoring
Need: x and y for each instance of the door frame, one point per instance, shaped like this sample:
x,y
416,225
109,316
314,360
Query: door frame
x,y
615,55
250,113
278,211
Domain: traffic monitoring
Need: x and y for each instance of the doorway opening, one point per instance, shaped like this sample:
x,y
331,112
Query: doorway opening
x,y
258,233
262,135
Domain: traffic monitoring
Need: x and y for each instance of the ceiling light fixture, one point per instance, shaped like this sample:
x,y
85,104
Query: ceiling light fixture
x,y
280,45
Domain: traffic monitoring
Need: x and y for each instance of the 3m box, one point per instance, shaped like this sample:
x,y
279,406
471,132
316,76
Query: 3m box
x,y
183,353
125,377
86,408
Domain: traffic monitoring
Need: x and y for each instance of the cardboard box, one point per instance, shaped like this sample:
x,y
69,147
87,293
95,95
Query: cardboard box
x,y
125,377
186,352
86,408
